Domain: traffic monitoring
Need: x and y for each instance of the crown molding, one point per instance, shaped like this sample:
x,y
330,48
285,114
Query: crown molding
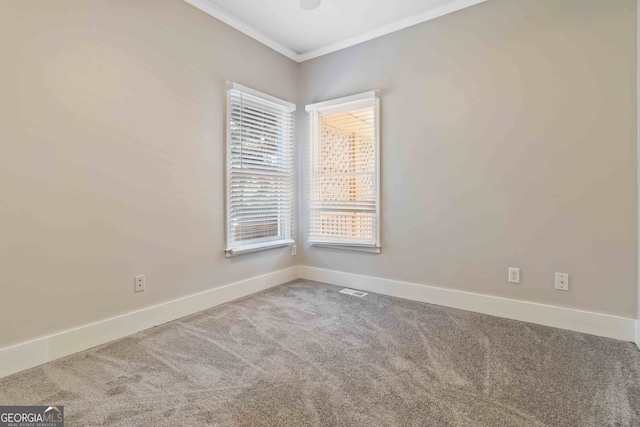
x,y
247,29
243,27
389,28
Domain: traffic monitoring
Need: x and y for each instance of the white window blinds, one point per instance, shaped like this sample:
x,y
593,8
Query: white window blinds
x,y
344,194
260,187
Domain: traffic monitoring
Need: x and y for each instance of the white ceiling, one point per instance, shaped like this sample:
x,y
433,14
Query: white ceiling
x,y
299,34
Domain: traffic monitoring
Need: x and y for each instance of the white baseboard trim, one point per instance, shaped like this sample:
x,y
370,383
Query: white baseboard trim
x,y
42,350
604,325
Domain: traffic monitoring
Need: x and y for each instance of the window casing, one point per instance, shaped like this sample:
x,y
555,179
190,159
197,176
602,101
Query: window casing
x,y
344,193
259,172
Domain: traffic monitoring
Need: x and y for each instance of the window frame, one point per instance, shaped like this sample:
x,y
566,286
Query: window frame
x,y
339,105
285,232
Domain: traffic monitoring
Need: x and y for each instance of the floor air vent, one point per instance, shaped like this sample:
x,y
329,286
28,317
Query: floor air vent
x,y
354,293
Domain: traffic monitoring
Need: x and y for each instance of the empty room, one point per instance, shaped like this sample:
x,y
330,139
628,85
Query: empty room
x,y
319,213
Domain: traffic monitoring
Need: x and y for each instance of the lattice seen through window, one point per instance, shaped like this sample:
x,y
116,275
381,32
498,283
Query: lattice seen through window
x,y
343,205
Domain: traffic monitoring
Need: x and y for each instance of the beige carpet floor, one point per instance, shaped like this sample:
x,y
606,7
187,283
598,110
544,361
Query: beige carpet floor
x,y
303,354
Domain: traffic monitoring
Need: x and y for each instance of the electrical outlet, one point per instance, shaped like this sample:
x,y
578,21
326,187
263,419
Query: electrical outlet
x,y
562,281
138,283
293,250
514,275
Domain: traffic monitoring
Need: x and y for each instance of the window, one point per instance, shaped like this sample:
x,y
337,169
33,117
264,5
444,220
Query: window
x,y
344,208
260,187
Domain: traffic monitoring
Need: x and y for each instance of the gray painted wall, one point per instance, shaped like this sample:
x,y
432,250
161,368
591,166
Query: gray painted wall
x,y
508,139
113,131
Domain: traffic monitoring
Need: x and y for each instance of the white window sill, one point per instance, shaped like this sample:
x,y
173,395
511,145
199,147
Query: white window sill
x,y
356,248
247,249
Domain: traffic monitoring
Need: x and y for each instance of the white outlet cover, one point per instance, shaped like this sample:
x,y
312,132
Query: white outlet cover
x,y
138,283
562,281
514,275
